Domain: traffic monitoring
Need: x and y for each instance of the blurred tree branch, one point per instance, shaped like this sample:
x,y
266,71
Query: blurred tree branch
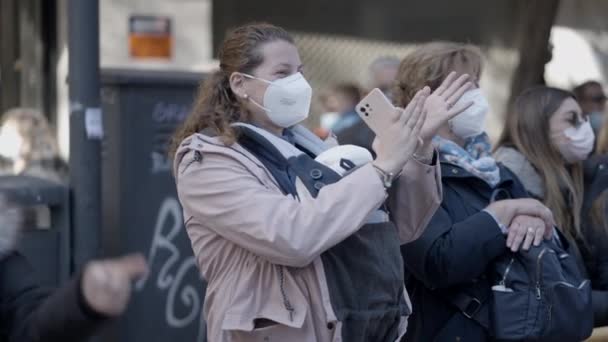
x,y
538,17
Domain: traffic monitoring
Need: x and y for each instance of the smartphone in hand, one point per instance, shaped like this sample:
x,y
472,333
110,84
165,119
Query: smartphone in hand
x,y
377,111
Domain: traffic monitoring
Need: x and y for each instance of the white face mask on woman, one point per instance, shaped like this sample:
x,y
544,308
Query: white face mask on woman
x,y
576,143
286,100
470,122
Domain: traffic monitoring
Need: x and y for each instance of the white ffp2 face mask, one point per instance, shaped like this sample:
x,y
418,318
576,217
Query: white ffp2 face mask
x,y
470,122
286,100
578,143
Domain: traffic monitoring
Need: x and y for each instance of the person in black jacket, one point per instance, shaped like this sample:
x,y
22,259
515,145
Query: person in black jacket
x,y
485,210
546,141
594,214
74,312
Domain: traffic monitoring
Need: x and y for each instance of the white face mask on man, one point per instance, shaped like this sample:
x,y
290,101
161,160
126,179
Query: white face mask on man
x,y
470,122
286,100
576,143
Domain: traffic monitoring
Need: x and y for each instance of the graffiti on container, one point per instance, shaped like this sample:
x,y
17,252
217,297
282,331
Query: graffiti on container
x,y
173,271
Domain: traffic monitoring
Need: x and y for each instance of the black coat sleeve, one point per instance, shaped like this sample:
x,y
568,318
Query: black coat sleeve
x,y
593,246
596,262
450,253
595,238
600,278
599,299
30,313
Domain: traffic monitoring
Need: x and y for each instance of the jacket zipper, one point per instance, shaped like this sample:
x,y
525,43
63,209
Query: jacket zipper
x,y
286,302
571,285
539,266
507,270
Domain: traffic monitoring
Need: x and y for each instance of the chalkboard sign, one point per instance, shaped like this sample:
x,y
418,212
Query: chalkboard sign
x,y
141,210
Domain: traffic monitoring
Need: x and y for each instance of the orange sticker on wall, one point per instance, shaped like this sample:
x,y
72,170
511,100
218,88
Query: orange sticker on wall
x,y
150,37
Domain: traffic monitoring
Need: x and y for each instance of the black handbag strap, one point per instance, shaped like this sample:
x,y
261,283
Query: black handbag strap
x,y
475,308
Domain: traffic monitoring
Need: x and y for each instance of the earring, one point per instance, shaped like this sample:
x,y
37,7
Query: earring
x,y
245,96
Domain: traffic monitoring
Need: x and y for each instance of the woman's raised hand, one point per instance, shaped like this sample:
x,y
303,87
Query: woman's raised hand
x,y
399,142
439,105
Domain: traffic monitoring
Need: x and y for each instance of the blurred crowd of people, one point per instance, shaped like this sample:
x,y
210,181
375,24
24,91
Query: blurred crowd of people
x,y
303,240
340,118
338,102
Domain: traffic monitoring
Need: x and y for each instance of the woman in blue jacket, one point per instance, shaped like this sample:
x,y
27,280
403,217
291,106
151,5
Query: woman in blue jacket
x,y
483,213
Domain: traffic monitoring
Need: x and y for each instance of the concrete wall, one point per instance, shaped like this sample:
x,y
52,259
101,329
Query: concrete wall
x,y
191,20
580,38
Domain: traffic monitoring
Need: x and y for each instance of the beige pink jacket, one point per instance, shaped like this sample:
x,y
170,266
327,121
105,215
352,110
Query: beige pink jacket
x,y
244,230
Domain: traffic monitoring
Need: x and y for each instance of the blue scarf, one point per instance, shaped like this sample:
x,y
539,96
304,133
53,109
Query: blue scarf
x,y
475,157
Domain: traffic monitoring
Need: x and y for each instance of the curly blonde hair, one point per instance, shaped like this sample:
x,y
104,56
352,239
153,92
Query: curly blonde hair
x,y
429,64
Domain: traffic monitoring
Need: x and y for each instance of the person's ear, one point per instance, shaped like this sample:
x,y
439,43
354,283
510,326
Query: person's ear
x,y
237,85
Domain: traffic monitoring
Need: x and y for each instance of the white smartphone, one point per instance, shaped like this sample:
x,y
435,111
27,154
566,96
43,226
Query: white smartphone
x,y
376,111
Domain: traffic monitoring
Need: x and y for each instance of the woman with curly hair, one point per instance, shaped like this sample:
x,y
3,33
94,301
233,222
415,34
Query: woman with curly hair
x,y
291,234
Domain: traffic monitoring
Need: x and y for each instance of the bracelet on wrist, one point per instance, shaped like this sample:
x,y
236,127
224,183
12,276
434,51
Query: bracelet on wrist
x,y
426,159
387,178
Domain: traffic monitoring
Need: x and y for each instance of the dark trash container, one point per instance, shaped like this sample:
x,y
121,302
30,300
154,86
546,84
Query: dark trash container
x,y
47,247
140,207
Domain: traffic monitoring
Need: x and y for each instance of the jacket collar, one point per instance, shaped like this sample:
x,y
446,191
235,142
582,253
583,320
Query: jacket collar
x,y
208,142
451,171
520,165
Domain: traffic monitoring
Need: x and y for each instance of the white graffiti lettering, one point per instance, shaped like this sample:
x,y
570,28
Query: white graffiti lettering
x,y
173,271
